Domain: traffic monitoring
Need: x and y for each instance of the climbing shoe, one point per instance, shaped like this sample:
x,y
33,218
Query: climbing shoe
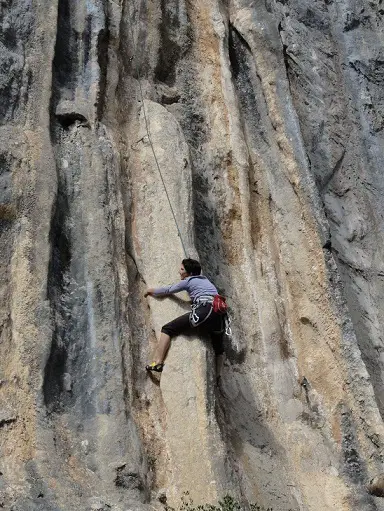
x,y
158,368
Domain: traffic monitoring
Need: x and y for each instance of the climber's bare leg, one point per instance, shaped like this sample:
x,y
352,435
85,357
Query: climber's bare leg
x,y
162,348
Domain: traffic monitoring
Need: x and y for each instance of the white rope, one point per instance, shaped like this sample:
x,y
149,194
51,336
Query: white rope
x,y
149,136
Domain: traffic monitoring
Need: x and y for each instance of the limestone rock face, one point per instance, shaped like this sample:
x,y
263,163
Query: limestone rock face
x,y
258,127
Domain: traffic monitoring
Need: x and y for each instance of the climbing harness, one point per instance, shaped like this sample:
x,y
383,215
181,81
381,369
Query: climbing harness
x,y
221,309
194,318
149,135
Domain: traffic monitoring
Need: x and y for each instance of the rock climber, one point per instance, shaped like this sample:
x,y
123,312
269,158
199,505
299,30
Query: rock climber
x,y
208,313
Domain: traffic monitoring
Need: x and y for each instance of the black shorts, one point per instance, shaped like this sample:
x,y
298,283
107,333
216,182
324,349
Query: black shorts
x,y
214,326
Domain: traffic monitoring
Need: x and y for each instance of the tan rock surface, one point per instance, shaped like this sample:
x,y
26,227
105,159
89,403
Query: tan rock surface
x,y
266,119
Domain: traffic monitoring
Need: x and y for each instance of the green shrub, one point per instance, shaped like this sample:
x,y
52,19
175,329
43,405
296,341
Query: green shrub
x,y
227,504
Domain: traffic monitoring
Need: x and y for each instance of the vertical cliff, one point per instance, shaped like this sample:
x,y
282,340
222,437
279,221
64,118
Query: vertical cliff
x,y
266,120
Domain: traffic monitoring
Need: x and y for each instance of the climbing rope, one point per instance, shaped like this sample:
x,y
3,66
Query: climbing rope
x,y
227,319
148,131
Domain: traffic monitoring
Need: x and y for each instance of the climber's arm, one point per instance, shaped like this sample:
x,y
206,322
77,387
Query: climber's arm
x,y
167,290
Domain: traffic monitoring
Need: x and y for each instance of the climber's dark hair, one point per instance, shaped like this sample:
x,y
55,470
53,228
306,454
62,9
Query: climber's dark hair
x,y
191,266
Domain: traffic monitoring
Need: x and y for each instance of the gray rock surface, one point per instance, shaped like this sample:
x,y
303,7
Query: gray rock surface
x,y
266,119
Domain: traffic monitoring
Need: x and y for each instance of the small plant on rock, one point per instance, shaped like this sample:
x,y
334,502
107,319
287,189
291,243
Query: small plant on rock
x,y
227,504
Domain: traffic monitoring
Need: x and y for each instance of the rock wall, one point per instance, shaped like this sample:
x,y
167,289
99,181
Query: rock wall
x,y
266,120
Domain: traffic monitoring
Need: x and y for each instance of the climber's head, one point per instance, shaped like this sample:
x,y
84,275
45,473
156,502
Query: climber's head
x,y
189,267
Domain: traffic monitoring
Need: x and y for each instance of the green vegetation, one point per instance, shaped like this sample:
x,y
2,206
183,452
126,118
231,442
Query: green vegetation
x,y
227,504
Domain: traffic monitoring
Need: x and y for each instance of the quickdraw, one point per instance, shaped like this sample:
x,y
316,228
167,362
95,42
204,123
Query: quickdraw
x,y
227,323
